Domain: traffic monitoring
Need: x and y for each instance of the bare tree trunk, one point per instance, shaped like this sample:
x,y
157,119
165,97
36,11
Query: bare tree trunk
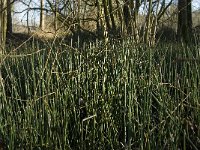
x,y
107,19
79,16
9,17
98,16
189,14
3,25
127,16
112,15
27,19
42,14
184,20
27,23
120,17
135,23
56,16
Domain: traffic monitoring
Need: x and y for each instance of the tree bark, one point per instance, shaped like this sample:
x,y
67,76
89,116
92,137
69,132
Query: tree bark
x,y
127,16
120,17
56,16
189,14
3,25
99,19
9,17
112,15
184,20
105,7
42,14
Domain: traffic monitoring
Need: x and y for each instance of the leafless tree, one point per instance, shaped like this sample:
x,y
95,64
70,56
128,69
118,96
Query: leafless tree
x,y
42,14
9,16
184,20
3,25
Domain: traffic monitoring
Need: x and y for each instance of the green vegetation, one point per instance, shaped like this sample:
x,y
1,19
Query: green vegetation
x,y
136,97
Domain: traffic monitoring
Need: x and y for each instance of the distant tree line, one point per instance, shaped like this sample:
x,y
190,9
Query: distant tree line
x,y
115,17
